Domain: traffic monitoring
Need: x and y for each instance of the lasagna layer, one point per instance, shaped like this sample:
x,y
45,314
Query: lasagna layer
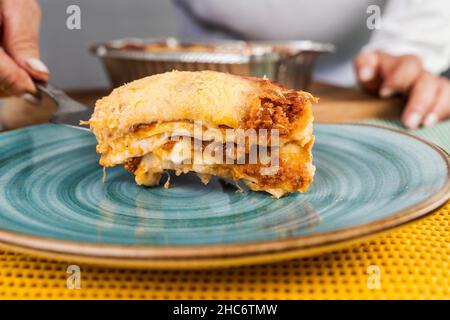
x,y
168,121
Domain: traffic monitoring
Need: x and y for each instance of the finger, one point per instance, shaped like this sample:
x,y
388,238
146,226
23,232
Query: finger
x,y
367,70
21,35
420,100
402,76
441,107
13,79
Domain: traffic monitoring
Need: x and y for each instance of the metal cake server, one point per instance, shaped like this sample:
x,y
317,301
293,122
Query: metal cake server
x,y
68,111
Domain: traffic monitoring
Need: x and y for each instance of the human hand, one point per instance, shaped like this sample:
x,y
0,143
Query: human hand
x,y
385,74
19,51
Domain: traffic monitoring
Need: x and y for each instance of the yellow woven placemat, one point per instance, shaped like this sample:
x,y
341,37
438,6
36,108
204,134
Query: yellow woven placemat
x,y
409,263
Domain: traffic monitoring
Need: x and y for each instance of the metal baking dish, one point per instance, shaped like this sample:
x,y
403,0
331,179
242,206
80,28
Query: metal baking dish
x,y
287,62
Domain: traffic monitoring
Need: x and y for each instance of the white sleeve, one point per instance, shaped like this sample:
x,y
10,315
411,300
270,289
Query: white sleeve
x,y
420,27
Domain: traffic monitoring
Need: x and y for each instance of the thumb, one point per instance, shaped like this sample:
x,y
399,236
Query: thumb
x,y
21,36
26,54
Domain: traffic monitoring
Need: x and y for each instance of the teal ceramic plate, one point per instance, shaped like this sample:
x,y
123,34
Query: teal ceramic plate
x,y
53,202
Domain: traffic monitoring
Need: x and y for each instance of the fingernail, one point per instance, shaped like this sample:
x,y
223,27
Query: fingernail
x,y
430,120
413,121
31,98
386,92
366,74
37,65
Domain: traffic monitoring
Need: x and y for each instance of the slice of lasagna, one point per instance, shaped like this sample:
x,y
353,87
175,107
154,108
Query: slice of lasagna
x,y
210,123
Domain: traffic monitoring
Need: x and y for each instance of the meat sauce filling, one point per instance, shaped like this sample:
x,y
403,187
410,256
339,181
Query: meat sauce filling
x,y
278,112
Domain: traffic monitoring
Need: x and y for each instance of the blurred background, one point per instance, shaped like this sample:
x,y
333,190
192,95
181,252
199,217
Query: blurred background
x,y
405,37
66,52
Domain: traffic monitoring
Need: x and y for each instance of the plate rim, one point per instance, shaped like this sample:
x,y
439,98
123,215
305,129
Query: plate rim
x,y
149,255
